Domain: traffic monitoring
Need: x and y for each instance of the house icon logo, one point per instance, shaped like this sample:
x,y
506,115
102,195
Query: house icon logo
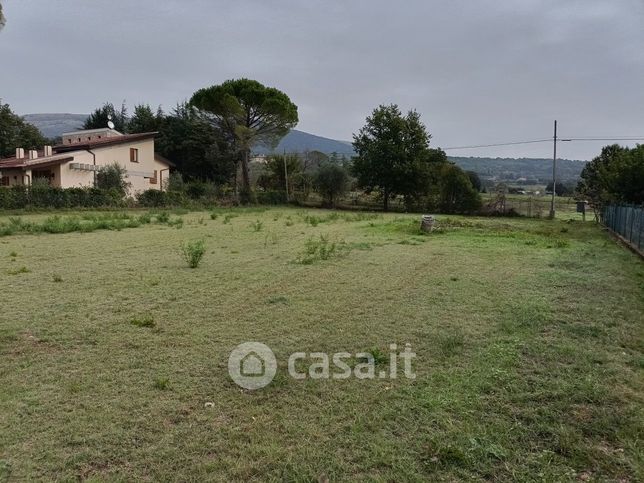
x,y
252,365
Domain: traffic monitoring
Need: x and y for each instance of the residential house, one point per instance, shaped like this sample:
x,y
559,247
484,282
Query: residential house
x,y
81,154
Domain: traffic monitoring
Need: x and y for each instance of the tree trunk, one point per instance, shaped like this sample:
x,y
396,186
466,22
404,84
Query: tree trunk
x,y
385,200
246,194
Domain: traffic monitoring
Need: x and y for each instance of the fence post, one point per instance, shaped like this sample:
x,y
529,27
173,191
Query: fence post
x,y
639,236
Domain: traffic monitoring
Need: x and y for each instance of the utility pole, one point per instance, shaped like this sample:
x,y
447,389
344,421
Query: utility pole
x,y
285,177
554,174
554,170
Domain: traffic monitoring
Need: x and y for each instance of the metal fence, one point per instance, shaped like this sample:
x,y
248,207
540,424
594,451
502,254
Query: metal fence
x,y
627,221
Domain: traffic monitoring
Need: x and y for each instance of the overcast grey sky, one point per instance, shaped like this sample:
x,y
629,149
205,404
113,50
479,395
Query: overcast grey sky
x,y
479,71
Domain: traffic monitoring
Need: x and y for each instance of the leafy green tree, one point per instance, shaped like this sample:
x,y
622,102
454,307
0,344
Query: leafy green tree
x,y
16,133
331,182
101,116
563,189
144,119
393,155
475,180
280,166
250,114
199,151
313,160
456,193
112,178
615,176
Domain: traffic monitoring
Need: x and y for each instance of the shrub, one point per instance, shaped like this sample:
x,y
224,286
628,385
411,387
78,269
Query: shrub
x,y
272,197
152,198
456,193
257,225
193,252
331,182
112,178
176,222
163,217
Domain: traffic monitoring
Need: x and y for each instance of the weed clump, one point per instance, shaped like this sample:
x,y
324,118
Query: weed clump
x,y
161,383
278,299
146,321
84,224
228,217
193,252
19,271
320,248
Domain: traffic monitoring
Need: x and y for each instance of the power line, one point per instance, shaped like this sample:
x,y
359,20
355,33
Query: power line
x,y
607,139
514,143
499,144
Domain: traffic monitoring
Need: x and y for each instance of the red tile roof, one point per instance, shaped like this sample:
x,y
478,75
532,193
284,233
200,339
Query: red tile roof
x,y
37,163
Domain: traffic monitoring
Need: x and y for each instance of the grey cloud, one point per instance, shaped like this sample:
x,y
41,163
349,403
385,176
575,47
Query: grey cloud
x,y
478,72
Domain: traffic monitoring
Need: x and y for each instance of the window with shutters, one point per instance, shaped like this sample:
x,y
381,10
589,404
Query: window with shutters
x,y
153,180
134,155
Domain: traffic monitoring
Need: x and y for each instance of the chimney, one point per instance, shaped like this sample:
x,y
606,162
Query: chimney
x,y
47,151
33,154
20,153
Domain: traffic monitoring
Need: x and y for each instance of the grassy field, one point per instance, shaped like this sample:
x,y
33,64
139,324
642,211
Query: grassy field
x,y
114,353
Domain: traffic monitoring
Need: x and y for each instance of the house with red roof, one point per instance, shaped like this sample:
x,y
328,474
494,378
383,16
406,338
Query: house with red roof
x,y
75,162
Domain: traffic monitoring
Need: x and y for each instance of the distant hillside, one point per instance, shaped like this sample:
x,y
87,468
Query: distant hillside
x,y
528,170
54,125
299,141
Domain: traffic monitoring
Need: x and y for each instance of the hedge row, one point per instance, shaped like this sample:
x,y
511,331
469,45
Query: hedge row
x,y
20,197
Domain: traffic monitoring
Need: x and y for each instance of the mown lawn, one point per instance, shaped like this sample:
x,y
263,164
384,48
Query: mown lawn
x,y
528,335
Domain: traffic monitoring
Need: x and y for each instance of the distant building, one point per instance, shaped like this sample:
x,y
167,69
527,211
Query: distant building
x,y
81,154
259,158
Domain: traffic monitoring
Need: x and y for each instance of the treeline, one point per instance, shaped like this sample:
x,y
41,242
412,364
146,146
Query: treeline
x,y
15,132
211,137
199,149
615,176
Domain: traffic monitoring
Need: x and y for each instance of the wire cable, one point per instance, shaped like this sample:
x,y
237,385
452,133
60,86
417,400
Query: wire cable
x,y
561,138
513,143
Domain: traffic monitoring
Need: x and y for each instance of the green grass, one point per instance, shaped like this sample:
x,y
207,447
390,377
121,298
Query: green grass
x,y
528,336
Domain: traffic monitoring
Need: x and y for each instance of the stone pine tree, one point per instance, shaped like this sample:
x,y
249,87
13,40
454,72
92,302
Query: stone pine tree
x,y
251,114
393,155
